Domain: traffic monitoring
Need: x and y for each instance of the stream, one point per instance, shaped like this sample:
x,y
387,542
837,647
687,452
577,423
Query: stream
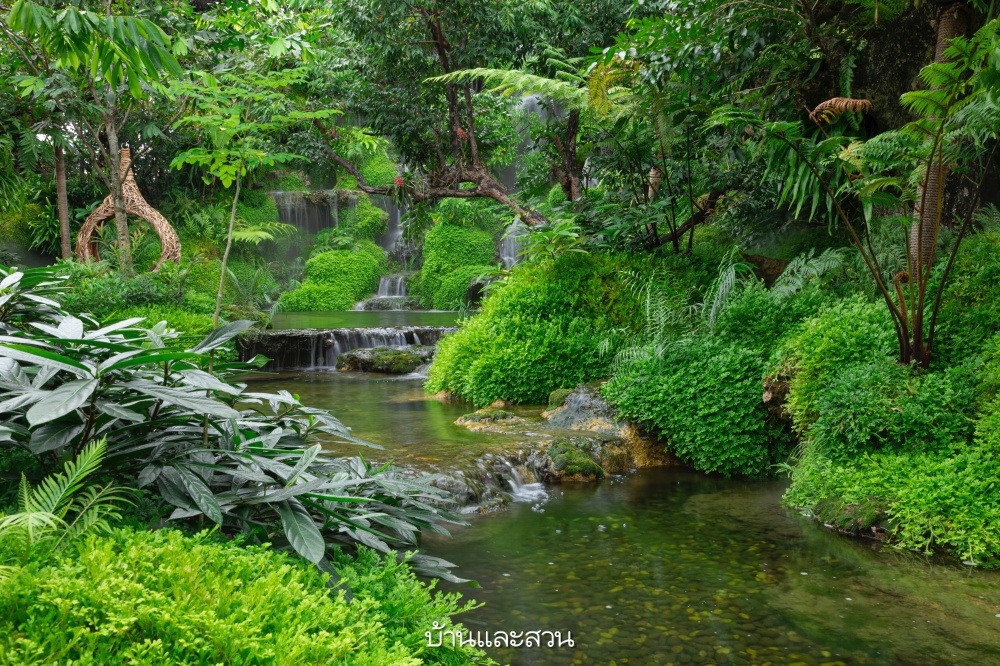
x,y
666,565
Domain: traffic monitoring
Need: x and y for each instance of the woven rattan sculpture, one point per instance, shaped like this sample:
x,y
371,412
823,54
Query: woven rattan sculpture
x,y
86,248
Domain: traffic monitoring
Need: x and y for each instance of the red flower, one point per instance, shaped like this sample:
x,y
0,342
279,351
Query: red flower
x,y
399,182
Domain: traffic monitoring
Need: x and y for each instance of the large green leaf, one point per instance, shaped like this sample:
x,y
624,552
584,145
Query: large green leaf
x,y
45,358
200,493
188,400
221,336
301,530
61,401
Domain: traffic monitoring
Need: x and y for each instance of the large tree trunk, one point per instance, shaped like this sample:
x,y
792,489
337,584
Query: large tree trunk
x,y
118,195
952,23
62,204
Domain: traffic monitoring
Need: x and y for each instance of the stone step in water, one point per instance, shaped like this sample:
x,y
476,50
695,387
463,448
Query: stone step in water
x,y
312,348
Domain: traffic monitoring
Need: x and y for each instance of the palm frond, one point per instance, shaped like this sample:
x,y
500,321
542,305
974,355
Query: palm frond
x,y
54,494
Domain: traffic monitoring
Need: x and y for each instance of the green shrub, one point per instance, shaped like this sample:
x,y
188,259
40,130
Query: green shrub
x,y
378,170
540,331
196,301
447,247
365,220
887,406
375,252
192,325
313,297
970,310
483,214
100,295
451,295
928,500
849,332
159,597
455,246
702,396
355,273
754,318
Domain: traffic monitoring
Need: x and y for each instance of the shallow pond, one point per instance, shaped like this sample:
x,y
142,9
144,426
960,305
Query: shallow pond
x,y
667,565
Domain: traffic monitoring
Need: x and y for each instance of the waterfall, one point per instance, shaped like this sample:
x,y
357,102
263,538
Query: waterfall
x,y
391,295
512,243
391,286
311,348
394,230
306,213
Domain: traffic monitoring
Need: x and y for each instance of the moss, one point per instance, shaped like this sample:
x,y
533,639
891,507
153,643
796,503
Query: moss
x,y
571,460
382,359
558,397
487,415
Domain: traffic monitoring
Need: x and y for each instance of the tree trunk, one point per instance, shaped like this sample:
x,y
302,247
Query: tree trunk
x,y
62,204
118,195
229,244
952,23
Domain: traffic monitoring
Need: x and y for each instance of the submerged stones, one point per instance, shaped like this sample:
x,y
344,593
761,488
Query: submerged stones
x,y
390,360
485,416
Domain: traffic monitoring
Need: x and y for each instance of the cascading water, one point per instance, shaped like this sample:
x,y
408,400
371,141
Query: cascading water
x,y
391,295
392,286
512,243
312,348
394,230
308,212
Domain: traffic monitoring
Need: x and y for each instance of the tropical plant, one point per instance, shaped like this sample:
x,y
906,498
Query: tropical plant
x,y
958,123
59,509
178,421
550,241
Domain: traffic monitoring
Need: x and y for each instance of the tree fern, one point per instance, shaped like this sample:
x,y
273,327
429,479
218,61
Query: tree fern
x,y
511,81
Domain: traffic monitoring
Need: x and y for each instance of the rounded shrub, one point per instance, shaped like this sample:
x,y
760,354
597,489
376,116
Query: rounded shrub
x,y
314,297
540,331
454,246
853,331
354,273
190,324
454,288
702,397
369,221
447,247
885,406
378,170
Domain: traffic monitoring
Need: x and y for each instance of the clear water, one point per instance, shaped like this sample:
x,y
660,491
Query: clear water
x,y
669,566
414,429
363,319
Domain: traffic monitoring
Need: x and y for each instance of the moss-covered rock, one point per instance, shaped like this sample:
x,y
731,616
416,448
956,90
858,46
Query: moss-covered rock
x,y
558,397
385,359
570,462
487,415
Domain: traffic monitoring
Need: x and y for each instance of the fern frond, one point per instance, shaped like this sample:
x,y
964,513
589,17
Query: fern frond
x,y
54,494
832,109
510,81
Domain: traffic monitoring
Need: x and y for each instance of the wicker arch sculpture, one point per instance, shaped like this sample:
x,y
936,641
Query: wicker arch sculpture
x,y
135,205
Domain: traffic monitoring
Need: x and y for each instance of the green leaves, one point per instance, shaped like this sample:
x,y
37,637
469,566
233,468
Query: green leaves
x,y
301,530
61,401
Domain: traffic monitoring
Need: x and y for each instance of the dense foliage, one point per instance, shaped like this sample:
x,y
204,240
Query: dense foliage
x,y
159,597
541,331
